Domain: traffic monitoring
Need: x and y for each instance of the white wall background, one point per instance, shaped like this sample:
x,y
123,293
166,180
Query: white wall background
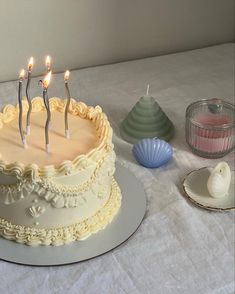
x,y
81,33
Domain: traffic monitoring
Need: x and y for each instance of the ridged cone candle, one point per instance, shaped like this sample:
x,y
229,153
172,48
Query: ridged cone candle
x,y
146,120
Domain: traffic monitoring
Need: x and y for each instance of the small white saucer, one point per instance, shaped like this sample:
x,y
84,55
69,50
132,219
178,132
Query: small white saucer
x,y
195,188
125,223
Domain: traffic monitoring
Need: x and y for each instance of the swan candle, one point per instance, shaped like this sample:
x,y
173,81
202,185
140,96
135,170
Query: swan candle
x,y
219,180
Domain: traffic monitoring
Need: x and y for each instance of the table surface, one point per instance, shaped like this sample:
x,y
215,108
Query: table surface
x,y
179,247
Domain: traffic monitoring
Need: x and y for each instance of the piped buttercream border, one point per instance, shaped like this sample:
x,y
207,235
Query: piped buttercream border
x,y
60,236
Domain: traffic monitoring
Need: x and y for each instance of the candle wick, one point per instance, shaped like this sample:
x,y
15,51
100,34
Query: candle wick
x,y
147,92
40,82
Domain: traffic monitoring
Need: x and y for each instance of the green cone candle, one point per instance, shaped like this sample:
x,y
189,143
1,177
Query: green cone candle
x,y
146,120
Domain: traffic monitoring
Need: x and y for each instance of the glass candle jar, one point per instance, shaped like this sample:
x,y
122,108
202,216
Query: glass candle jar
x,y
210,127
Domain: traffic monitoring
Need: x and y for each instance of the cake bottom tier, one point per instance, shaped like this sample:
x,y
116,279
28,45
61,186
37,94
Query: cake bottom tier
x,y
64,235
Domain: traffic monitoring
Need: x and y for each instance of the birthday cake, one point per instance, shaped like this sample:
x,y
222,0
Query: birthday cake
x,y
63,196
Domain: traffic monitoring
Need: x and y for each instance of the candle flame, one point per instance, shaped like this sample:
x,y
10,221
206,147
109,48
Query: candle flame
x,y
66,75
46,80
48,62
30,64
22,74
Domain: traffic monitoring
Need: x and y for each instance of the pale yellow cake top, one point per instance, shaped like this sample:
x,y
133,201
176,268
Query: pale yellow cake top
x,y
83,139
89,132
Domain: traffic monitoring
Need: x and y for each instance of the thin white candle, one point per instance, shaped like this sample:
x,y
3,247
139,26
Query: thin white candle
x,y
66,78
30,67
45,84
21,78
48,66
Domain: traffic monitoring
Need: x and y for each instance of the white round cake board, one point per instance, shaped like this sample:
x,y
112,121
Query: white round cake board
x,y
124,224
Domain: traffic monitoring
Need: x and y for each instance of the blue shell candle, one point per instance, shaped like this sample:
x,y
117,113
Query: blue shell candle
x,y
152,153
146,120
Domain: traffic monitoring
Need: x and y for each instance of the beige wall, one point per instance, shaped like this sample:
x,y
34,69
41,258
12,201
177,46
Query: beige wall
x,y
81,33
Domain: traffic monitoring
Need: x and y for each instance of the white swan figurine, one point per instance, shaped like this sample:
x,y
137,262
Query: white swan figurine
x,y
219,180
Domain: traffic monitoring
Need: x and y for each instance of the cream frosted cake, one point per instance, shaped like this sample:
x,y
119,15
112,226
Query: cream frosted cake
x,y
56,198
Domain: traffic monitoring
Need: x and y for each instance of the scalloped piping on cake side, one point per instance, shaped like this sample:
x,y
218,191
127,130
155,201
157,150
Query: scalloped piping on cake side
x,y
64,235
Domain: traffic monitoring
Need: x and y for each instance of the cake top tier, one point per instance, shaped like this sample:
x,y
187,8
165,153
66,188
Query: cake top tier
x,y
90,134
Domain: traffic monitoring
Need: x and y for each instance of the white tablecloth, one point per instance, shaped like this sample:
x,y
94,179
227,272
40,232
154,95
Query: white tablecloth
x,y
179,247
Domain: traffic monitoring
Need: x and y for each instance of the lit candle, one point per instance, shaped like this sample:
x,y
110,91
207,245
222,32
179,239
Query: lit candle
x,y
66,78
30,66
45,84
48,63
48,66
21,78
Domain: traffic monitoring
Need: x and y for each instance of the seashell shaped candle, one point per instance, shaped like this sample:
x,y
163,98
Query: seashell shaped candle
x,y
152,153
219,180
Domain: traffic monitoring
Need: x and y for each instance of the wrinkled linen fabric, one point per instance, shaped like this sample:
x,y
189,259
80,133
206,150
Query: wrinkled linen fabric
x,y
179,248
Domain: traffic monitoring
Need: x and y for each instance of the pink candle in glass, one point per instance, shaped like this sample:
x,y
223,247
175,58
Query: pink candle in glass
x,y
210,139
210,127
